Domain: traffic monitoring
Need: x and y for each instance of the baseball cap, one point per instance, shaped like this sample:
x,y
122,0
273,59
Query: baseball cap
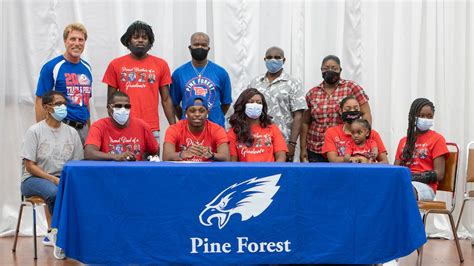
x,y
190,102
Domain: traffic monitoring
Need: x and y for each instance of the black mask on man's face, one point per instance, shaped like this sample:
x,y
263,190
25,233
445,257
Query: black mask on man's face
x,y
331,77
350,116
139,51
199,54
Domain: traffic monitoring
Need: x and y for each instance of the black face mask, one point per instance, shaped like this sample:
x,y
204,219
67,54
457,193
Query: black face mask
x,y
139,51
199,54
331,77
350,116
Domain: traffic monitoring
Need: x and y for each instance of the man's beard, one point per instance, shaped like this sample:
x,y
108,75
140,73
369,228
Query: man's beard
x,y
139,51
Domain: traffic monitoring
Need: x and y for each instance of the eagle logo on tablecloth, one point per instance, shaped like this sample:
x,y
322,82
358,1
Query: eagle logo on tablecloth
x,y
249,199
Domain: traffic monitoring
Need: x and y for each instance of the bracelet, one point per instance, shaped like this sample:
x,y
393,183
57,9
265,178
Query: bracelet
x,y
180,155
292,143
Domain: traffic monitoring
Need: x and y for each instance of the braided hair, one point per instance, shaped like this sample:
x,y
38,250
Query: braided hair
x,y
238,120
407,153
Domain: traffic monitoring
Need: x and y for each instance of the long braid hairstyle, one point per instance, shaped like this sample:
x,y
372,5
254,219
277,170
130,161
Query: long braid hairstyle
x,y
407,154
238,120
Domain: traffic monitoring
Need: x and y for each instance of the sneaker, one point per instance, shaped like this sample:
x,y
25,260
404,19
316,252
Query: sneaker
x,y
48,240
58,252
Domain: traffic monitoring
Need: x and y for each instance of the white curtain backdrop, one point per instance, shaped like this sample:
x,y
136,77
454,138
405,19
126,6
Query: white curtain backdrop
x,y
396,50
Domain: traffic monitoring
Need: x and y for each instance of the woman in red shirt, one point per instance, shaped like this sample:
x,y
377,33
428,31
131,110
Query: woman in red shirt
x,y
423,150
338,138
253,137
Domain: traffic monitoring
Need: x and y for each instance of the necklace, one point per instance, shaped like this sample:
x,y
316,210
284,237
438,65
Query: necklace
x,y
199,73
199,140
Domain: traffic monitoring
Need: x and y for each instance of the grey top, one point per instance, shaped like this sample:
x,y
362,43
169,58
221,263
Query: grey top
x,y
51,147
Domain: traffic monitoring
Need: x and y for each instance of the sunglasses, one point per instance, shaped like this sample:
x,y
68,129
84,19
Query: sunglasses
x,y
119,105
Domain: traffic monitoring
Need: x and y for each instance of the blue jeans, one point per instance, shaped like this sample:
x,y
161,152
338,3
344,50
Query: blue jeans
x,y
37,186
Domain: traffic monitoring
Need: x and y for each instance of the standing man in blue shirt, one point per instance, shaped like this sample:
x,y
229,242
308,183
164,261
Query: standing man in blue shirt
x,y
72,76
202,77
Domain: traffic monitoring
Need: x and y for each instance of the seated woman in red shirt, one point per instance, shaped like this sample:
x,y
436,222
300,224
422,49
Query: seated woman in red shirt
x,y
253,137
338,138
423,150
196,138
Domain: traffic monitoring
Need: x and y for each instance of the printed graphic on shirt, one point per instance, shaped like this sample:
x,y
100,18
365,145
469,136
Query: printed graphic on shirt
x,y
261,143
421,151
202,87
340,146
190,142
78,88
55,151
123,144
136,78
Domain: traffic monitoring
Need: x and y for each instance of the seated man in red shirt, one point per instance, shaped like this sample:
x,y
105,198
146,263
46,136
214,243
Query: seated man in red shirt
x,y
196,138
119,137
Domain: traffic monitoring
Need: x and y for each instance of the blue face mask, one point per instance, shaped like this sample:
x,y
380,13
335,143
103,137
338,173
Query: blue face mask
x,y
423,124
121,115
274,65
253,110
60,112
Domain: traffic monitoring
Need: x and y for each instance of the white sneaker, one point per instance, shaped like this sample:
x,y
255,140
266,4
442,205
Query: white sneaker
x,y
58,252
48,239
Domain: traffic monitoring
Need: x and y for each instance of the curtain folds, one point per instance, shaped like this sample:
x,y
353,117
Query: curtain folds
x,y
396,50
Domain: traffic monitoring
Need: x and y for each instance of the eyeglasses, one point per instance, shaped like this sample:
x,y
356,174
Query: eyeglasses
x,y
119,105
57,103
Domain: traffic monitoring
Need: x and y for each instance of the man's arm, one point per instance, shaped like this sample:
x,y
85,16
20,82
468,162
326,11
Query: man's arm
x,y
92,152
39,111
167,104
225,108
179,111
304,132
110,91
295,132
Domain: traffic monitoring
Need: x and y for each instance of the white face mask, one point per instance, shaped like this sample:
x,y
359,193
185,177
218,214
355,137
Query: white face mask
x,y
253,110
121,115
423,124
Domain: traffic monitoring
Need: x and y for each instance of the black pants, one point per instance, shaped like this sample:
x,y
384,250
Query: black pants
x,y
316,157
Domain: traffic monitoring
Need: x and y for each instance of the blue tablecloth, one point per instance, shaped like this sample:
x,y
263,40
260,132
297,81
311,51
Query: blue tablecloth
x,y
207,213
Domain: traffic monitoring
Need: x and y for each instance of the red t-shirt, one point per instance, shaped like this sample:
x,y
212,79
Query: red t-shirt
x,y
141,80
365,150
336,139
137,137
179,135
428,146
267,141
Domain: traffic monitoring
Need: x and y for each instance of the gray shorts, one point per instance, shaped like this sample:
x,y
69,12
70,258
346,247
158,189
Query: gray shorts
x,y
424,191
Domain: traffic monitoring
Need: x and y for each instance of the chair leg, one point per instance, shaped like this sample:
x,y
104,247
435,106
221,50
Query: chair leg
x,y
455,234
460,214
420,249
17,231
34,231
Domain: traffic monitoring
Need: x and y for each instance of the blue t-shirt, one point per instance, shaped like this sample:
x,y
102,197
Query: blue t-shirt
x,y
214,85
73,80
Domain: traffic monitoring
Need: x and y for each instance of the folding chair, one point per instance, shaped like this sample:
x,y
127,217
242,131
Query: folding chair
x,y
448,184
468,194
33,202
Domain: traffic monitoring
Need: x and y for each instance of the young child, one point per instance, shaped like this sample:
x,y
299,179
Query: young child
x,y
361,149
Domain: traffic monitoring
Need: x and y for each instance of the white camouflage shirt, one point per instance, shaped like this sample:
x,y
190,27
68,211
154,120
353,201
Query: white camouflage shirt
x,y
284,96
